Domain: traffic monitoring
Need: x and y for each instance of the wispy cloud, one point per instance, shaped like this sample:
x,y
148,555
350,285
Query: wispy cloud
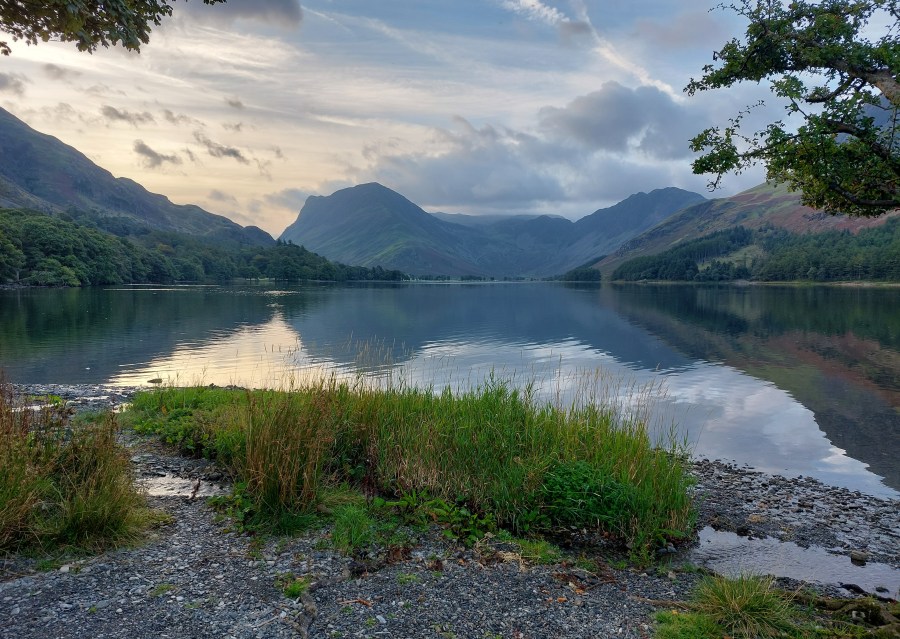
x,y
134,118
218,150
217,195
179,119
292,199
535,10
280,13
13,83
57,72
153,159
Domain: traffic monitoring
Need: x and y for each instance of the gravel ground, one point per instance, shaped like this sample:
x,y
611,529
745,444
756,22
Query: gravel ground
x,y
194,579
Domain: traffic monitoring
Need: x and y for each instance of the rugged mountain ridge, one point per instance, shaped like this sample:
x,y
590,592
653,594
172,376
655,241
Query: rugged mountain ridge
x,y
370,224
40,172
763,205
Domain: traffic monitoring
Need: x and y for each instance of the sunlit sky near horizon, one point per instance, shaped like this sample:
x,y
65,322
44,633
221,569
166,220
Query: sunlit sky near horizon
x,y
470,106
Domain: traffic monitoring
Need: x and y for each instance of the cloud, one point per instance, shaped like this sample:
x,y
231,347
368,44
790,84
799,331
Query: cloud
x,y
220,196
277,152
617,119
535,10
133,118
691,29
153,159
597,149
179,118
572,29
292,199
263,167
487,166
281,13
234,103
57,72
233,126
13,82
220,150
103,90
65,112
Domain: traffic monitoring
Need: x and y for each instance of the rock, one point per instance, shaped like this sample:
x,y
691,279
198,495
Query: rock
x,y
859,557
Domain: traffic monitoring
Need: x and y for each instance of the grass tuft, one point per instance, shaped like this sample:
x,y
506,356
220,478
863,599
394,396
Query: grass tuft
x,y
64,483
745,606
353,529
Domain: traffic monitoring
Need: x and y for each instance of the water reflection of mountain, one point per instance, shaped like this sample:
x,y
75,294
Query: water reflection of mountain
x,y
834,350
404,320
74,336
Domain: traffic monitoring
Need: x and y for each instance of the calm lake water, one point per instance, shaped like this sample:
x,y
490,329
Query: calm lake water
x,y
797,381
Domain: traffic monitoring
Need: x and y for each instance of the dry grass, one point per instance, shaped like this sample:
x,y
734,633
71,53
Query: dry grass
x,y
63,484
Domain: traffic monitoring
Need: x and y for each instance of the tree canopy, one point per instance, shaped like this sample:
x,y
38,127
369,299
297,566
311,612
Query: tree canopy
x,y
843,83
87,23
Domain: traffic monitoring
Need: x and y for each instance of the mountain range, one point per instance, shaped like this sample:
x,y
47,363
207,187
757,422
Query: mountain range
x,y
370,224
40,172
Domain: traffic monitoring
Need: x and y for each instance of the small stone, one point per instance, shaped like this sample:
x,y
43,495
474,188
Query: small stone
x,y
380,619
859,557
65,568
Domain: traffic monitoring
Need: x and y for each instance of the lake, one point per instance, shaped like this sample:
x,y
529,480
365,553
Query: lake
x,y
795,381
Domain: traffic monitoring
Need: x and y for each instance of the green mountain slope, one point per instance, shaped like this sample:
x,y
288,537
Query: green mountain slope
x,y
372,225
39,172
756,208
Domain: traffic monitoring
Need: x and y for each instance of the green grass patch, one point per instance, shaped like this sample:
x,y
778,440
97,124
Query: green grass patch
x,y
751,607
745,606
292,587
64,483
353,529
160,589
474,461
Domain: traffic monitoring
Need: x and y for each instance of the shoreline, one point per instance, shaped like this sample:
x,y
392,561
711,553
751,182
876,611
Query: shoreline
x,y
192,579
731,497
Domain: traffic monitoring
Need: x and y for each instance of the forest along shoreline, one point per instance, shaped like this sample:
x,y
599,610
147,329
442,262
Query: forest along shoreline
x,y
193,577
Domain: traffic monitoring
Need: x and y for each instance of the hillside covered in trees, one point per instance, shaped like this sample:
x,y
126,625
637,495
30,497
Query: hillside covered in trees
x,y
774,254
44,250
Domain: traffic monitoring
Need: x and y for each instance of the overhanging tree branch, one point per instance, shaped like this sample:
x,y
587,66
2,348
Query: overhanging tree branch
x,y
843,158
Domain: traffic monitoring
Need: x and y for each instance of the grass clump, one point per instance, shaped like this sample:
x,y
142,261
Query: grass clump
x,y
63,483
745,606
751,607
292,587
474,461
353,530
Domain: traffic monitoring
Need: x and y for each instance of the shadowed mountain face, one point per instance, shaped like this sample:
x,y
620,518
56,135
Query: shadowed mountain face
x,y
758,207
372,225
39,172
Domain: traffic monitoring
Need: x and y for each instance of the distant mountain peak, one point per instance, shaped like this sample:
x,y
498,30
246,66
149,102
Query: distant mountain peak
x,y
373,225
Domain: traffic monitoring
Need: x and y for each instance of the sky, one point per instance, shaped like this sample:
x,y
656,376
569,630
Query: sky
x,y
464,106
